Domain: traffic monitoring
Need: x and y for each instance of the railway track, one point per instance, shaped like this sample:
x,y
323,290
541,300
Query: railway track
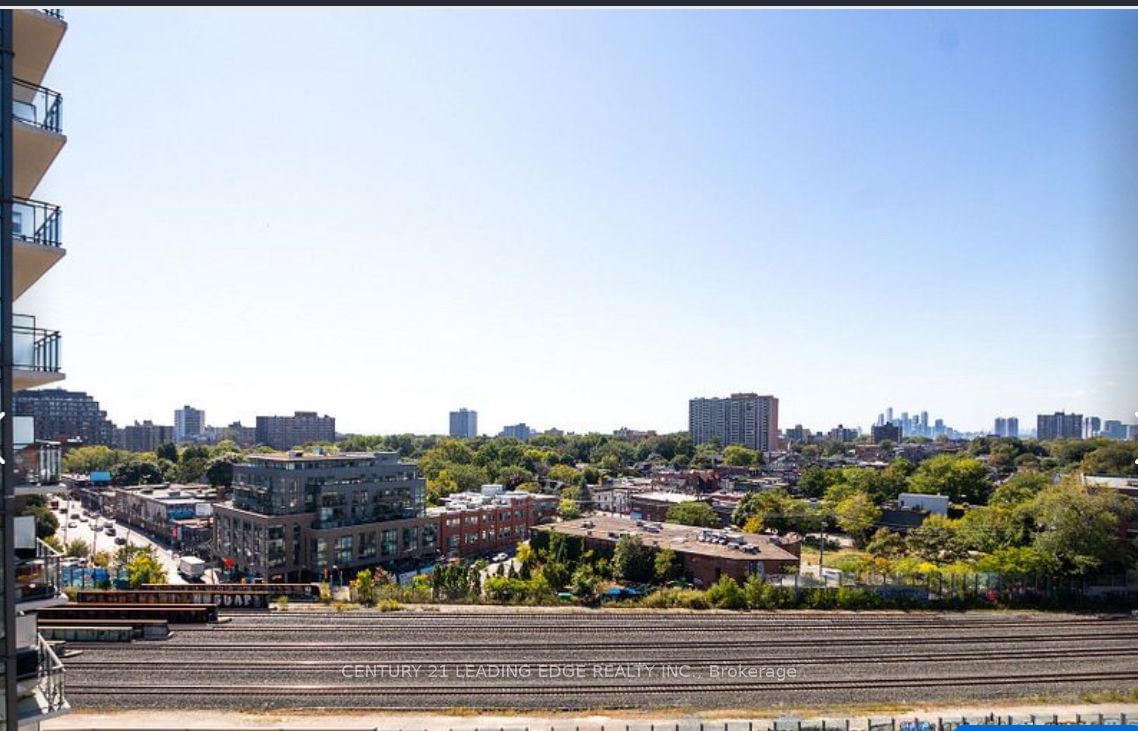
x,y
308,665
592,690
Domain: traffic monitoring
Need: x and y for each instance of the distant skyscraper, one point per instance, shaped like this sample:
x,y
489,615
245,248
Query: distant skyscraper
x,y
303,427
746,419
463,423
889,415
1114,429
521,432
1092,425
1059,425
1006,427
924,432
189,424
880,420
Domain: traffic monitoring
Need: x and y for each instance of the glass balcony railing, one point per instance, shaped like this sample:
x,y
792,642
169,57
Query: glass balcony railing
x,y
37,105
37,464
36,222
38,575
33,348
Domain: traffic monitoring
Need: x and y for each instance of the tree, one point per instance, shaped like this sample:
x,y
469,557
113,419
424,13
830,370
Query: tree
x,y
935,540
886,544
727,594
1115,458
55,544
632,560
694,512
77,548
856,515
46,521
97,458
667,565
585,581
511,476
815,480
1019,488
565,474
364,587
137,473
568,509
219,470
738,456
144,568
167,450
961,478
1077,527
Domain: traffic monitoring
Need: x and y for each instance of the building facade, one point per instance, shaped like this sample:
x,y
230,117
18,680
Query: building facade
x,y
31,136
522,432
883,432
477,523
746,419
144,437
299,515
303,427
463,424
189,424
62,415
1059,425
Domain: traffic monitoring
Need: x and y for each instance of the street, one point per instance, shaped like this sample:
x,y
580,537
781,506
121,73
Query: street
x,y
93,530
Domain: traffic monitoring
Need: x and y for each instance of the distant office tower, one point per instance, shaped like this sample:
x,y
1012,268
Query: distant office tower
x,y
880,420
842,434
1092,425
1059,425
938,427
517,431
798,434
746,419
883,432
924,432
303,427
189,424
1006,427
61,415
889,415
145,437
463,423
1112,429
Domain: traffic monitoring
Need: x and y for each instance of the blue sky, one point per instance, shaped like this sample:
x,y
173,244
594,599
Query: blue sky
x,y
583,218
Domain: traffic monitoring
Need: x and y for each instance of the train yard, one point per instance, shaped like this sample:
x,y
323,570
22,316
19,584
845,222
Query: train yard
x,y
509,659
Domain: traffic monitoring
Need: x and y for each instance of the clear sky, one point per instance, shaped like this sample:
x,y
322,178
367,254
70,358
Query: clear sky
x,y
582,219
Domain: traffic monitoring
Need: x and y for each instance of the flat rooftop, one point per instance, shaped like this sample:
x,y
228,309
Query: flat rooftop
x,y
318,456
679,538
667,497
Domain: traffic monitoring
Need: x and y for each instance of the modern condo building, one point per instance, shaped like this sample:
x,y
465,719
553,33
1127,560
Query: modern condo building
x,y
31,136
746,419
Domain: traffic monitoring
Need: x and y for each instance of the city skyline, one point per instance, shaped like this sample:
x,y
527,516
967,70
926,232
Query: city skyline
x,y
575,232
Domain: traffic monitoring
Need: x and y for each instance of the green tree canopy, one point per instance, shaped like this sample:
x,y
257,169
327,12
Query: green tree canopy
x,y
693,513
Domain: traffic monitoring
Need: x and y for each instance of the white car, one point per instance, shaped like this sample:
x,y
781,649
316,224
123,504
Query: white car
x,y
73,524
502,557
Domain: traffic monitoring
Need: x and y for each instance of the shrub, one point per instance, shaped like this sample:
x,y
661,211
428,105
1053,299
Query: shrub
x,y
726,594
389,605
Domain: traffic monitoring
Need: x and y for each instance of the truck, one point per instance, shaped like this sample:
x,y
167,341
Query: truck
x,y
191,568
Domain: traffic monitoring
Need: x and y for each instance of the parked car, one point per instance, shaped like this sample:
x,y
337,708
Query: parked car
x,y
73,524
502,557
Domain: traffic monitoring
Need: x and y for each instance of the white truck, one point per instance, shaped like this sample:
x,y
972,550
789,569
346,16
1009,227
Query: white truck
x,y
191,568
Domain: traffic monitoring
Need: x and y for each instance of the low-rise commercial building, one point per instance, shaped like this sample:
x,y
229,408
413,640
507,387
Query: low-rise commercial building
x,y
655,505
706,554
475,523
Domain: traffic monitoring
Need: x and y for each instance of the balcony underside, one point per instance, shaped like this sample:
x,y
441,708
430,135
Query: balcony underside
x,y
31,489
35,39
23,379
35,150
30,262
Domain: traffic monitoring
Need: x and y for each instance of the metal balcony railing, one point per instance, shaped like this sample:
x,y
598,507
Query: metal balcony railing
x,y
38,464
33,348
47,695
38,578
36,222
38,106
54,12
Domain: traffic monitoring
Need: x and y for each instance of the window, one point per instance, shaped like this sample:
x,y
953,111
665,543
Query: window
x,y
389,545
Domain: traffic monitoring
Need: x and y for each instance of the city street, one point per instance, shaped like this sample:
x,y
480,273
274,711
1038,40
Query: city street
x,y
93,530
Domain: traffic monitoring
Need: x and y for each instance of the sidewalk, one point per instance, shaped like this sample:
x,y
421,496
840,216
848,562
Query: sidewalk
x,y
616,721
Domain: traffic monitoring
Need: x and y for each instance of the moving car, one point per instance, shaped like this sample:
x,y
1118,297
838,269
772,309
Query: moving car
x,y
502,557
73,524
120,540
